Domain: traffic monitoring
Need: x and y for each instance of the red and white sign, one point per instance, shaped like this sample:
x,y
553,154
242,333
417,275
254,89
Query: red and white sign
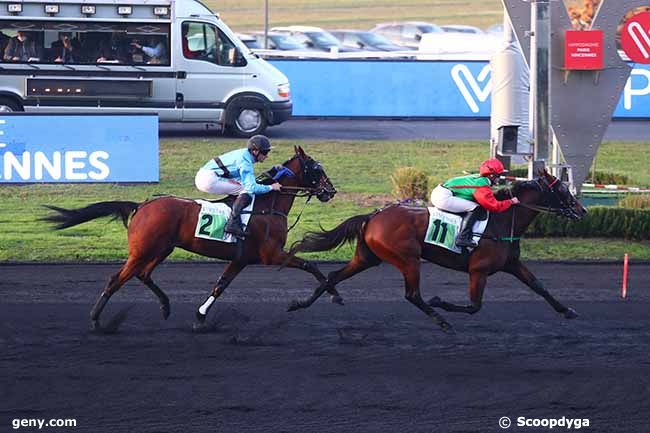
x,y
635,38
583,50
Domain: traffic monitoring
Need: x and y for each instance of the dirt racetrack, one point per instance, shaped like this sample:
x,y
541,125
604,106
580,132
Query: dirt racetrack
x,y
374,365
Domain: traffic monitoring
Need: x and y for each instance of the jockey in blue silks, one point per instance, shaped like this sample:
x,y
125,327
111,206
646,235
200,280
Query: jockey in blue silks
x,y
232,173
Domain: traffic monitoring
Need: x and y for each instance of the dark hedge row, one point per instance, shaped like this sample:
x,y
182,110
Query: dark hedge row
x,y
601,177
605,222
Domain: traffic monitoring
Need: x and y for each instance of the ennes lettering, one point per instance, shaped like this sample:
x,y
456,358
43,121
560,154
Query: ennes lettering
x,y
58,166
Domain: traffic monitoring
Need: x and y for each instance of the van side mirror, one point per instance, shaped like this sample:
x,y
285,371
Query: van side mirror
x,y
418,37
240,60
309,44
361,44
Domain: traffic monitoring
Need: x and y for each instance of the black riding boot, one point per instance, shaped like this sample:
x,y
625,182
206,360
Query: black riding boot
x,y
466,233
234,224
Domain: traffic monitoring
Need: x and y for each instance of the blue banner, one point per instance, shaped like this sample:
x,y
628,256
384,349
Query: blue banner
x,y
367,88
78,148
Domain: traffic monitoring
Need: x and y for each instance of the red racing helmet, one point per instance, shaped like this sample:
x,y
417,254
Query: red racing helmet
x,y
492,166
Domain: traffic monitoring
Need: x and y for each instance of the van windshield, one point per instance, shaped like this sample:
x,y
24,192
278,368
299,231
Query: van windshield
x,y
84,43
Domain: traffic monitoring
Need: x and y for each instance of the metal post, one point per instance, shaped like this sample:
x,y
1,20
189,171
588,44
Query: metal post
x,y
540,81
266,24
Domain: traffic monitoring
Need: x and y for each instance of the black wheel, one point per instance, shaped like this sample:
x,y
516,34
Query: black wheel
x,y
7,105
247,121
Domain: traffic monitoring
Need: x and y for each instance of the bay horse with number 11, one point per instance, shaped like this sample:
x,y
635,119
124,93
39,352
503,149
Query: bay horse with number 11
x,y
158,226
395,234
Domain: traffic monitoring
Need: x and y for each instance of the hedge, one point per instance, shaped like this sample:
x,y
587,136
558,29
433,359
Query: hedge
x,y
601,177
601,222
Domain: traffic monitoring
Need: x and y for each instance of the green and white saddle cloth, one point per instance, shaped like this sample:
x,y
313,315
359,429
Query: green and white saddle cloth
x,y
444,227
212,220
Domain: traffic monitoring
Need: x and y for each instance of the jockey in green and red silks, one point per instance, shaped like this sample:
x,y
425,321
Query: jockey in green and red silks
x,y
472,194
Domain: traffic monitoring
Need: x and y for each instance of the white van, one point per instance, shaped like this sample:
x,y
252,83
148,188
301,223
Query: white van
x,y
174,57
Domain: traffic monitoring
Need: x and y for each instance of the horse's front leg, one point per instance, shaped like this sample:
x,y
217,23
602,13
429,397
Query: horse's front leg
x,y
522,273
477,282
283,258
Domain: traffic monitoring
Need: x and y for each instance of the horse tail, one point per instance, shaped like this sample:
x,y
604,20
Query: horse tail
x,y
65,218
347,231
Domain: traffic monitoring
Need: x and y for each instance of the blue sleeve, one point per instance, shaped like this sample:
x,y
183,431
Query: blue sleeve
x,y
248,180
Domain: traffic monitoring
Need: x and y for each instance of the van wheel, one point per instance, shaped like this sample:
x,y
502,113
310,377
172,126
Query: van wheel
x,y
7,105
247,122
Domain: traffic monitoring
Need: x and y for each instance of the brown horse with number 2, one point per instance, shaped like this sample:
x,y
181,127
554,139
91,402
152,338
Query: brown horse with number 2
x,y
158,226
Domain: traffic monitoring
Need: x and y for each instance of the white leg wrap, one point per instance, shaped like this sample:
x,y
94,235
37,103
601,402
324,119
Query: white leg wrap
x,y
203,309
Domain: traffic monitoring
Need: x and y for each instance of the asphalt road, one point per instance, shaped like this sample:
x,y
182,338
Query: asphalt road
x,y
374,365
365,129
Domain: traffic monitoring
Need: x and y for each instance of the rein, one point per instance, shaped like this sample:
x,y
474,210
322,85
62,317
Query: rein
x,y
296,191
542,209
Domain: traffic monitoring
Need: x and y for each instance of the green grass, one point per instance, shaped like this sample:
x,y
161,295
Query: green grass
x,y
360,170
247,15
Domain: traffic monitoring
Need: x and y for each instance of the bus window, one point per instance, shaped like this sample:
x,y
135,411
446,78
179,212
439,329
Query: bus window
x,y
85,43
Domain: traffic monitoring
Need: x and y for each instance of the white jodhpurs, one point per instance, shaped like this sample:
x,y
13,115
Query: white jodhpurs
x,y
208,181
442,198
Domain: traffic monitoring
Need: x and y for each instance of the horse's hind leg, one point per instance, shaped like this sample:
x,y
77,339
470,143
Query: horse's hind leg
x,y
411,273
359,263
131,268
145,277
477,282
282,258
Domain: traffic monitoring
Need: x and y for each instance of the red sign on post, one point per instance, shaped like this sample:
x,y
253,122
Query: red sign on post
x,y
635,38
583,50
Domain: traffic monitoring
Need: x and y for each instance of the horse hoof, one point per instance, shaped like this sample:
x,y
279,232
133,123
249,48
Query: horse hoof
x,y
95,326
200,328
435,301
165,311
337,299
293,306
570,313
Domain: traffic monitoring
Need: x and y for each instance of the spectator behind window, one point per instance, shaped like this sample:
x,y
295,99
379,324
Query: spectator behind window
x,y
154,50
4,40
105,53
22,48
66,49
187,52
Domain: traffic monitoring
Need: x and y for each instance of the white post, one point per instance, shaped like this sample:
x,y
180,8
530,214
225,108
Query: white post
x,y
540,81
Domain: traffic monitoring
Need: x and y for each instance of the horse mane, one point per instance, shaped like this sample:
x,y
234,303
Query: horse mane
x,y
515,189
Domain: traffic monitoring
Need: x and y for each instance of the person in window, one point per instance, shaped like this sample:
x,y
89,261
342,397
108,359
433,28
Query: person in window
x,y
155,50
473,194
105,53
22,48
66,49
232,173
187,52
4,40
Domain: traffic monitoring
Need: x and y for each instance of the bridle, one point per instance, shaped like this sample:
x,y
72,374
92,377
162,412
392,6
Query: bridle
x,y
319,186
546,188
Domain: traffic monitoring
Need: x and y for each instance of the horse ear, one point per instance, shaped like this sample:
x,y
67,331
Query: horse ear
x,y
295,150
541,172
302,152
